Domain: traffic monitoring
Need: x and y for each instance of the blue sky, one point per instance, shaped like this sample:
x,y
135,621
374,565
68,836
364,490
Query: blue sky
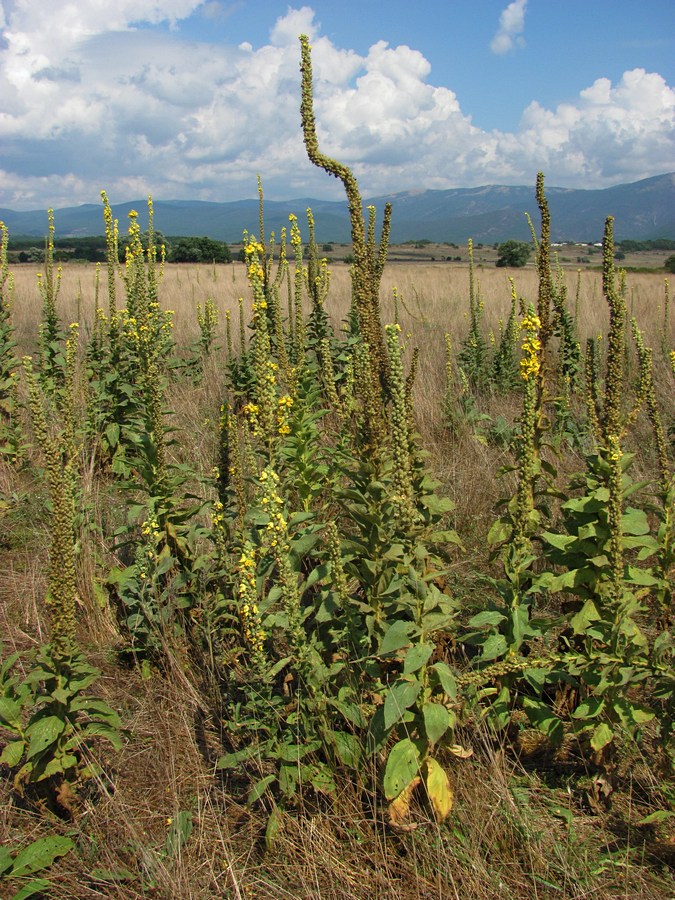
x,y
191,100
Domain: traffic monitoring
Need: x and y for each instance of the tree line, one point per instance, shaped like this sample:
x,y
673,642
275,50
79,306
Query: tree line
x,y
93,249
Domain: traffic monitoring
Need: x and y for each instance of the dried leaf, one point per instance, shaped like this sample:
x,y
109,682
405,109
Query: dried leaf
x,y
399,808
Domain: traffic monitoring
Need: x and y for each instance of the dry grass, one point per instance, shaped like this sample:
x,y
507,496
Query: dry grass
x,y
504,837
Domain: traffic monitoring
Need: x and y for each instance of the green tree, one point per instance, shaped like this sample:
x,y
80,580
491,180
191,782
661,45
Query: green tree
x,y
199,249
669,264
513,254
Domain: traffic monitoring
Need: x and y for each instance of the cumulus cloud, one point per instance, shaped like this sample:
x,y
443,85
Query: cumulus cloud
x,y
105,100
511,25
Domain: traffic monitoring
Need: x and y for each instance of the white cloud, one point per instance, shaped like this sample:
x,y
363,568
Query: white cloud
x,y
136,110
511,25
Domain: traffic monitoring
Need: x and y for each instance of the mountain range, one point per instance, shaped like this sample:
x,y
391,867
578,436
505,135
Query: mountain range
x,y
642,210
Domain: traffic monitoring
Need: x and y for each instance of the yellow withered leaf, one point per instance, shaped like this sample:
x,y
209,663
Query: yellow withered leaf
x,y
439,789
459,751
399,808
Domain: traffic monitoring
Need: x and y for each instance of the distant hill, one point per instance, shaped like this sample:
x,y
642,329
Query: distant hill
x,y
643,210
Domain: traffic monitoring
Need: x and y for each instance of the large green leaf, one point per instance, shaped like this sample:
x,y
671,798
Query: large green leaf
x,y
400,698
436,721
397,636
446,678
43,734
402,766
10,711
416,657
12,753
40,854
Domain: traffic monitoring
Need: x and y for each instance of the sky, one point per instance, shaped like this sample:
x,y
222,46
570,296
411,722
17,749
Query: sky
x,y
193,99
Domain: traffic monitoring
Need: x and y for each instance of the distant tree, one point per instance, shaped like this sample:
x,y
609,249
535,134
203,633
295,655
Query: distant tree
x,y
199,249
669,265
513,254
619,254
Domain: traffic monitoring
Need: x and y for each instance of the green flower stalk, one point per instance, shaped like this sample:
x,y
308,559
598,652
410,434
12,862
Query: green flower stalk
x,y
8,361
228,336
254,634
328,378
299,336
528,449
592,390
367,270
277,540
665,333
610,423
207,319
155,407
264,407
242,328
544,264
505,367
62,591
400,431
112,252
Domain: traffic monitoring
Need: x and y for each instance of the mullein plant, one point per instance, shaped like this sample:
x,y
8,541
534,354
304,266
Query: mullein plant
x,y
666,486
592,556
10,440
51,340
666,340
473,355
368,259
505,374
47,709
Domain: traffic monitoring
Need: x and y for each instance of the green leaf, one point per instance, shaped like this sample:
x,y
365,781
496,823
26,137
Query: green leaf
x,y
487,617
36,886
112,434
40,854
446,678
294,752
661,815
12,753
322,780
103,730
259,789
498,533
634,521
273,827
585,617
347,748
602,736
396,636
42,734
232,760
400,698
640,576
6,859
589,709
559,541
494,646
543,718
402,766
436,721
288,780
416,657
10,711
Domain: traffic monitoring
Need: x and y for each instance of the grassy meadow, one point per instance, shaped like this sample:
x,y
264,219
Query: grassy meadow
x,y
524,820
331,582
